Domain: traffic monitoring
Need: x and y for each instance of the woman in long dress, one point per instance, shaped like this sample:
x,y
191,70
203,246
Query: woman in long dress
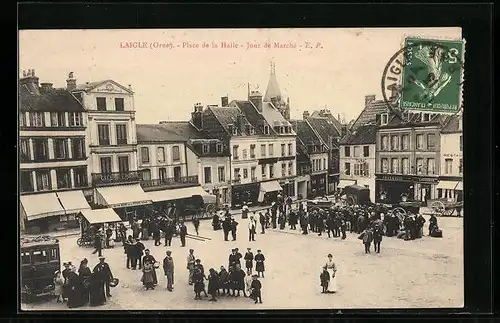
x,y
332,270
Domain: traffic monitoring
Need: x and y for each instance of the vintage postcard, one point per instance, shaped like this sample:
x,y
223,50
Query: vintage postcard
x,y
171,169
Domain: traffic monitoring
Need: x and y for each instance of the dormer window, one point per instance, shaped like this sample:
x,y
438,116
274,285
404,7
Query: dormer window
x,y
218,148
235,131
252,130
266,129
206,148
426,117
282,130
384,119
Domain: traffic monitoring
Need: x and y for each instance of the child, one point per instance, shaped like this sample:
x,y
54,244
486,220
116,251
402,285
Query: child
x,y
199,284
325,279
224,281
213,284
58,283
248,283
148,275
255,290
259,263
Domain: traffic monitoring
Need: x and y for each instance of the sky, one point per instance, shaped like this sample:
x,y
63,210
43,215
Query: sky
x,y
341,67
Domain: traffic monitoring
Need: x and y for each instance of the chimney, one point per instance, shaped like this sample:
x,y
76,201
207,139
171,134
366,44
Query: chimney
x,y
31,81
305,115
197,116
256,98
224,101
70,82
368,99
46,86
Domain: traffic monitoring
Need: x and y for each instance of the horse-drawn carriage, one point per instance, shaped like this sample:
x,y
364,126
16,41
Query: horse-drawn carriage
x,y
357,195
198,206
445,207
404,208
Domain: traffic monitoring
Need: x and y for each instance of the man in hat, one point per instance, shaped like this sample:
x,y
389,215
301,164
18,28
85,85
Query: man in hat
x,y
252,225
183,233
98,243
140,252
168,268
199,267
190,265
65,274
234,228
262,221
233,259
249,261
255,290
103,274
169,233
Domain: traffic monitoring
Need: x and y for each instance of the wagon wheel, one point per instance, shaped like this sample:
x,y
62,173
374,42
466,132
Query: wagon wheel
x,y
400,213
438,207
210,208
351,200
79,242
449,211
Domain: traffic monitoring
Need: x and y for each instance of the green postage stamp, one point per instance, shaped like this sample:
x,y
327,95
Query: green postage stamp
x,y
432,75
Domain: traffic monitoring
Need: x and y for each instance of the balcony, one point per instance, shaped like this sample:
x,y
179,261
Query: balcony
x,y
171,182
103,179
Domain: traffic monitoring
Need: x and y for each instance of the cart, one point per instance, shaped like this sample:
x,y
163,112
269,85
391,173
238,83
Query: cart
x,y
445,207
91,221
199,206
357,195
402,209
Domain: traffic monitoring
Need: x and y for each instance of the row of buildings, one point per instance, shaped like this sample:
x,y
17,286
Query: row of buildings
x,y
80,148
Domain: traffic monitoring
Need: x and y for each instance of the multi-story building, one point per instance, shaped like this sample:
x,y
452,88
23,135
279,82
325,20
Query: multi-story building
x,y
112,138
450,180
372,108
408,156
52,155
357,158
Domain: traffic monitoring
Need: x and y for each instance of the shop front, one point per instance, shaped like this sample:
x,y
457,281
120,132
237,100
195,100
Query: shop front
x,y
73,203
288,186
126,200
246,193
41,212
318,185
392,189
268,192
450,188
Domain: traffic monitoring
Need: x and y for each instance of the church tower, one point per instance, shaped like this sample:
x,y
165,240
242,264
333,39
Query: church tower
x,y
273,94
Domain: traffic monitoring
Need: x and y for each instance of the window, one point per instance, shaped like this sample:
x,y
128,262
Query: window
x,y
385,143
420,166
461,144
176,156
431,166
80,176
25,258
121,134
235,130
263,171
252,151
205,148
245,154
218,148
460,166
103,132
426,117
221,173
207,171
37,119
406,142
431,141
245,173
123,165
75,119
356,151
290,168
271,150
262,150
54,254
160,154
177,173
43,180
420,141
78,148
237,175
347,151
101,104
252,173
63,178
145,155
57,119
39,257
106,165
41,149
384,118
406,165
235,152
395,165
394,143
448,162
385,165
146,174
347,167
290,149
61,148
162,174
266,130
283,150
366,151
283,170
358,169
271,171
24,150
119,105
25,181
22,119
366,170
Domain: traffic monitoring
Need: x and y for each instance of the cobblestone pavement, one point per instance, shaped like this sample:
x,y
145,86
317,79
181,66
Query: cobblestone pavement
x,y
427,272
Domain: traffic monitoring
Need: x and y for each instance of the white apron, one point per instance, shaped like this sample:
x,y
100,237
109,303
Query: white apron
x,y
330,266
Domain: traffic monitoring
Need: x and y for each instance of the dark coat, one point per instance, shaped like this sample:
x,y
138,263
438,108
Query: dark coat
x,y
213,284
259,262
249,260
183,231
239,277
256,287
152,260
103,272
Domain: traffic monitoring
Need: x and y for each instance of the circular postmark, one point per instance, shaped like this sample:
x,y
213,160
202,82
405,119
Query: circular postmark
x,y
425,75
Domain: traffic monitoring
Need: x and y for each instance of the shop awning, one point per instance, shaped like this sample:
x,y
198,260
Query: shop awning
x,y
446,185
460,186
73,201
176,193
345,182
37,206
271,186
122,196
101,216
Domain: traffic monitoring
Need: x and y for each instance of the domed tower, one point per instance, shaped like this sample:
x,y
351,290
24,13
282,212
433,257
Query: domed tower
x,y
273,94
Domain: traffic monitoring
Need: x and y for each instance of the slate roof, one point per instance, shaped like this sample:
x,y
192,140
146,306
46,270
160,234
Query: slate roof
x,y
305,133
273,116
228,115
369,113
51,100
251,114
326,114
452,124
325,128
363,135
157,133
415,120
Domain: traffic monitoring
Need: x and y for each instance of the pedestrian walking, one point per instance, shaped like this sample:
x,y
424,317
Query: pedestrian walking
x,y
199,283
255,290
183,233
169,233
199,266
262,221
213,284
98,244
332,270
58,286
249,261
367,237
104,274
196,224
147,275
190,265
252,225
377,238
139,252
148,257
168,269
324,278
234,228
259,263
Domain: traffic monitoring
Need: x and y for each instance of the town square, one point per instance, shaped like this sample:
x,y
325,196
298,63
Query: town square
x,y
245,176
